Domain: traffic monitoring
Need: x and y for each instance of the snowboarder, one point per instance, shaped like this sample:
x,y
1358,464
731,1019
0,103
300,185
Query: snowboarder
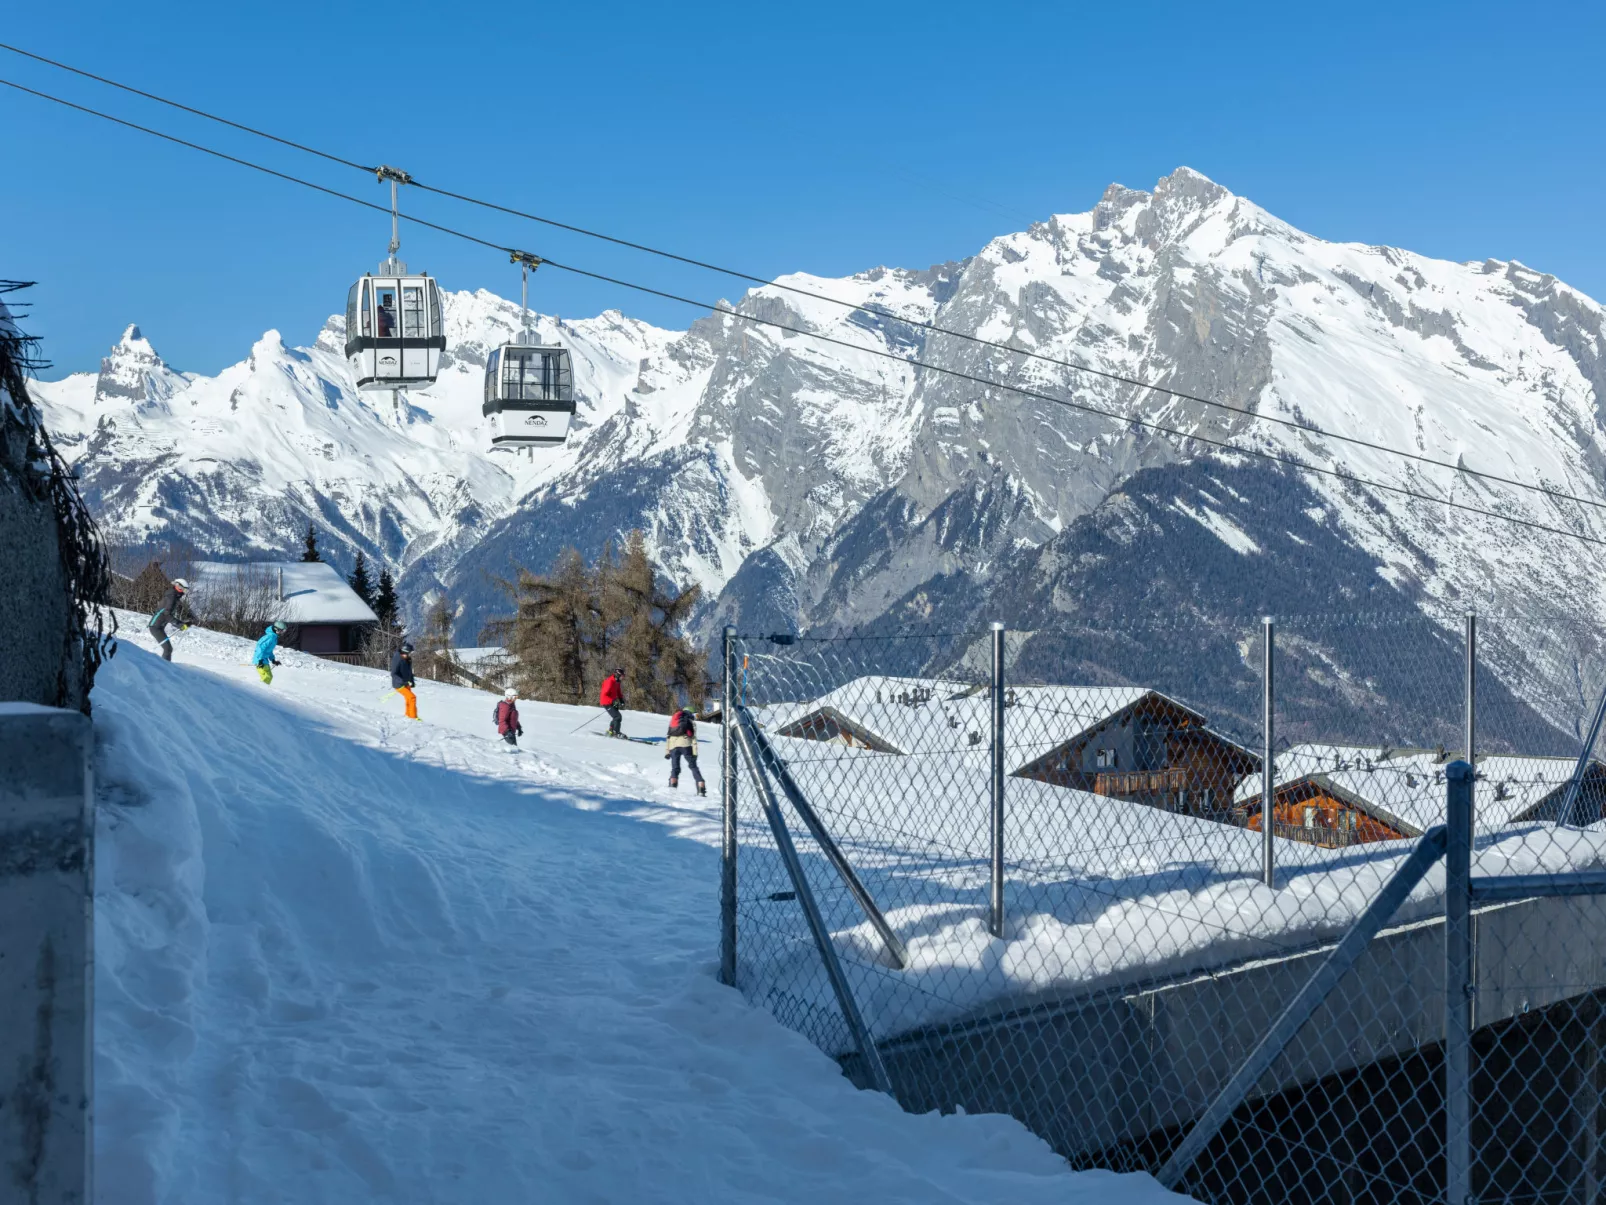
x,y
612,700
264,658
683,743
401,677
169,612
507,717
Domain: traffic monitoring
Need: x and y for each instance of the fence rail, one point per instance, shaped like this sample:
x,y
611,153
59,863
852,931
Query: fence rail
x,y
1181,913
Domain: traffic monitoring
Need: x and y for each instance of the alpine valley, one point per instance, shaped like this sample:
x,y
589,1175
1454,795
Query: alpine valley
x,y
808,486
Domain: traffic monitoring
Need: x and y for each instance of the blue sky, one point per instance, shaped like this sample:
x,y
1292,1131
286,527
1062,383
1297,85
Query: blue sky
x,y
775,138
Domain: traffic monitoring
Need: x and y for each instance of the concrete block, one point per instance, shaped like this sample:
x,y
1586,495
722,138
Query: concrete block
x,y
46,955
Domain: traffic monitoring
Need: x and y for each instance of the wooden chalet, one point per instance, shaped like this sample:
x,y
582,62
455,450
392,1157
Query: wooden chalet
x,y
1150,750
1122,742
1313,810
1340,795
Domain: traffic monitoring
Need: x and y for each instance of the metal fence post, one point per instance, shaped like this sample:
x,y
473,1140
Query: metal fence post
x,y
875,1069
727,807
1268,773
997,896
1429,849
1470,739
1458,986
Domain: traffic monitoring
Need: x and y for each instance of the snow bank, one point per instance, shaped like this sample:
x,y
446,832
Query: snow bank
x,y
343,957
1100,893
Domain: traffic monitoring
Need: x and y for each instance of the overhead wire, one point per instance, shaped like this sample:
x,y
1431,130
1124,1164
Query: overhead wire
x,y
873,310
718,308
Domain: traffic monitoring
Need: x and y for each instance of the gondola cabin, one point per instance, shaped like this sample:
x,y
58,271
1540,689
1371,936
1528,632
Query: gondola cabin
x,y
529,396
394,333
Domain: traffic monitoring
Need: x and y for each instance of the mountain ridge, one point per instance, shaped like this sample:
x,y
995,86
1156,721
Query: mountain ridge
x,y
821,486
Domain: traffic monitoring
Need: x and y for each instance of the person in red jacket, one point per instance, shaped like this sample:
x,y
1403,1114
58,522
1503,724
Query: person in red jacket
x,y
507,717
612,700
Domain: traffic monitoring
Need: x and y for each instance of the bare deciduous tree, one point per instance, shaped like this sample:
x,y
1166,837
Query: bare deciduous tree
x,y
241,603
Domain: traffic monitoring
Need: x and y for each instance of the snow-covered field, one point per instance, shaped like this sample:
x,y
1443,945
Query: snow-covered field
x,y
1099,892
344,957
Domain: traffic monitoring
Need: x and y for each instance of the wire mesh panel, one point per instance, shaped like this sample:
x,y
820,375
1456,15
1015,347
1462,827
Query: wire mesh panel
x,y
1540,976
1103,954
1367,715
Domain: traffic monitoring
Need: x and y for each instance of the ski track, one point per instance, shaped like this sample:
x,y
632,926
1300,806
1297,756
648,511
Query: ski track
x,y
344,957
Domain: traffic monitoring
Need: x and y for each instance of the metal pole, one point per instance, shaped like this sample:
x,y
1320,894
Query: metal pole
x,y
1458,986
828,846
1470,736
1428,850
727,808
1581,768
997,896
1268,774
875,1069
395,230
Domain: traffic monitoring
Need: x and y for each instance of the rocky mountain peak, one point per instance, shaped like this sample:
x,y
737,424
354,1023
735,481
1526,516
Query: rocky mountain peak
x,y
133,372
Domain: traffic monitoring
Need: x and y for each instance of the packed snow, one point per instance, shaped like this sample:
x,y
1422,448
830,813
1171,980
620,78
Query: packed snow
x,y
344,957
1099,892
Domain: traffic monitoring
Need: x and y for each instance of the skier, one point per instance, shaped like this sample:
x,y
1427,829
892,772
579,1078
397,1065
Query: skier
x,y
683,743
264,658
507,717
168,613
612,700
401,677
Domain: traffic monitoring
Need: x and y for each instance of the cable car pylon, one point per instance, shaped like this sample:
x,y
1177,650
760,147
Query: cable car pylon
x,y
529,386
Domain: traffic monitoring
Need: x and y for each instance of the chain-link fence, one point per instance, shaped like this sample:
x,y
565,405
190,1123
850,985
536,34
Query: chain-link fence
x,y
1180,906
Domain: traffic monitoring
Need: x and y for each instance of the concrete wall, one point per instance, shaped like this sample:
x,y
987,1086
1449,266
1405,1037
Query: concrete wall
x,y
34,593
1092,1072
46,955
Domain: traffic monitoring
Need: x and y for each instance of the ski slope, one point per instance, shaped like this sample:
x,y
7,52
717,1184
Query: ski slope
x,y
344,957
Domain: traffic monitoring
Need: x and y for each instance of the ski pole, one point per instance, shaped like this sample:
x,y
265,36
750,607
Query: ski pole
x,y
589,719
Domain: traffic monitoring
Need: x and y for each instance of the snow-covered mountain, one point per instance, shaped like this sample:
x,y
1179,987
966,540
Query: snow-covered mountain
x,y
805,484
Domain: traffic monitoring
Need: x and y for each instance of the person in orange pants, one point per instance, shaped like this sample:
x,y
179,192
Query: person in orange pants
x,y
401,677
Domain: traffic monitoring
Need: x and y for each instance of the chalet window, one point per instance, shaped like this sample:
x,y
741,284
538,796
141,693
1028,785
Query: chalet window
x,y
1105,759
1310,815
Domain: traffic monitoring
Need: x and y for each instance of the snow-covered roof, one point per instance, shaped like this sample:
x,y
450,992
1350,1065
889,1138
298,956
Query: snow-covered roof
x,y
933,715
483,654
309,592
1406,787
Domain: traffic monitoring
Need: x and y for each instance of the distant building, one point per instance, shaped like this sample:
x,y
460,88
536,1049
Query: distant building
x,y
1126,742
324,613
1339,795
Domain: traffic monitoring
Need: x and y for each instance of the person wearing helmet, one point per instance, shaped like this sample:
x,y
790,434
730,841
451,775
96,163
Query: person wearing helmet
x,y
264,658
175,610
401,677
682,743
612,700
507,717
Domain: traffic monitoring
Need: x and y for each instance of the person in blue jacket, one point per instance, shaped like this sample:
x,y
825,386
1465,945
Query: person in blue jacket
x,y
264,658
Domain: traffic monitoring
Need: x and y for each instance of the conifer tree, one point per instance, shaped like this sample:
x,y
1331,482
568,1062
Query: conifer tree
x,y
552,635
384,603
361,584
572,627
309,550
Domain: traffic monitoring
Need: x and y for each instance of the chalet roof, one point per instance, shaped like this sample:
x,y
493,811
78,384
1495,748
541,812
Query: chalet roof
x,y
933,715
1405,788
309,592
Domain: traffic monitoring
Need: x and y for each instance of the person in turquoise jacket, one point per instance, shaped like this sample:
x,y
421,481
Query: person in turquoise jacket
x,y
264,658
